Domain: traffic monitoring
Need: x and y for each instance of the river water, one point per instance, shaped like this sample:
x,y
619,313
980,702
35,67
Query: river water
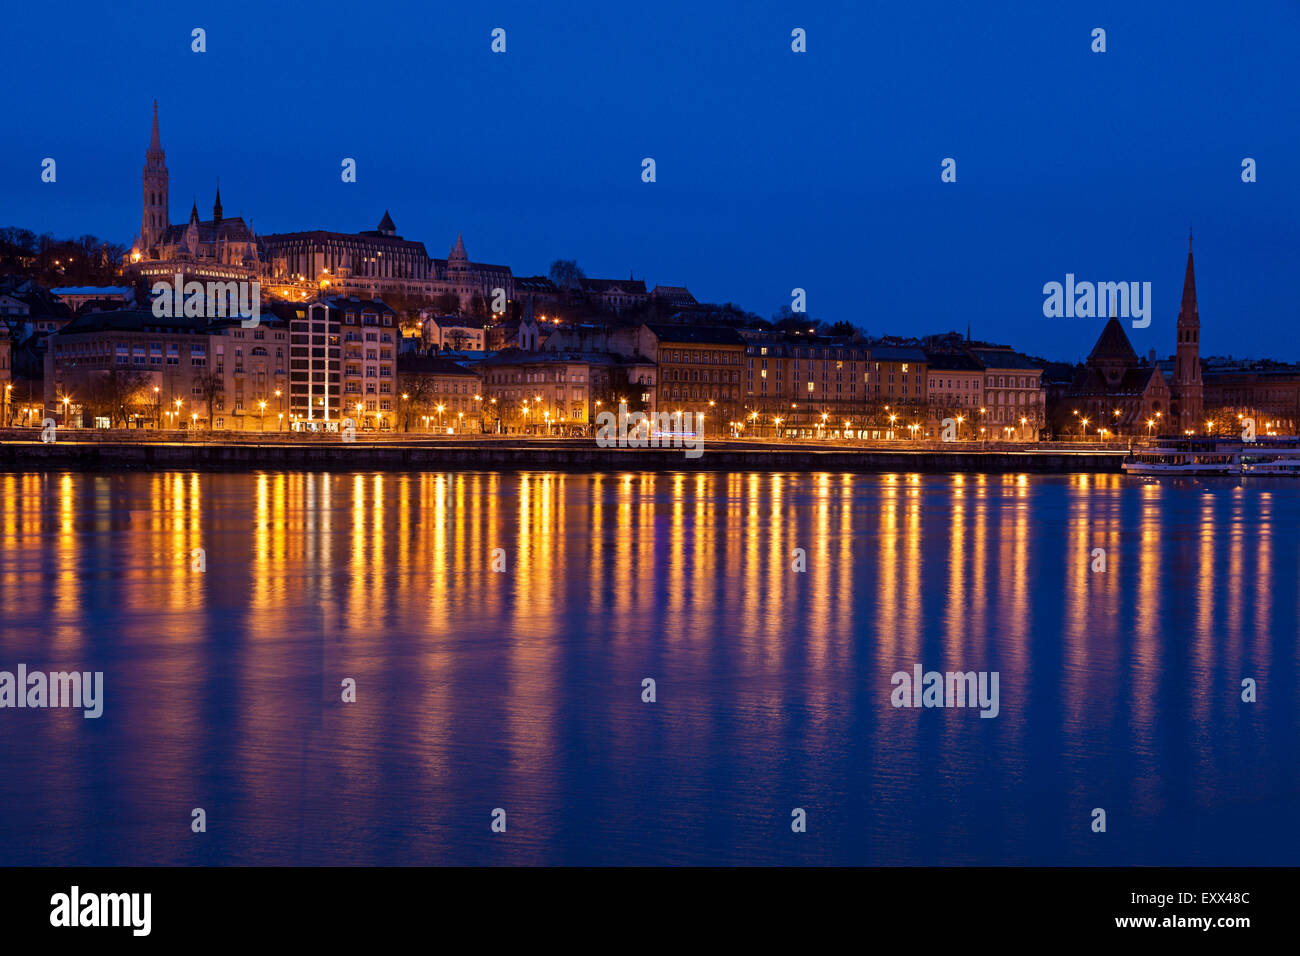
x,y
226,612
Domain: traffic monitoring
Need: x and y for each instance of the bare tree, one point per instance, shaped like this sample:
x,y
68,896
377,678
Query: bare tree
x,y
210,385
566,273
417,393
115,393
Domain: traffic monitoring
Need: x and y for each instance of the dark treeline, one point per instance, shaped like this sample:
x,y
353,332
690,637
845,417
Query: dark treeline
x,y
51,261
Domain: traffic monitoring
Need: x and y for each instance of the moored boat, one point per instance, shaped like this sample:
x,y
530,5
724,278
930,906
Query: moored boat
x,y
1215,456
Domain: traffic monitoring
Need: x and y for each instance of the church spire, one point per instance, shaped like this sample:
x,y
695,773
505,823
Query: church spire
x,y
153,217
155,140
1187,309
216,206
1187,388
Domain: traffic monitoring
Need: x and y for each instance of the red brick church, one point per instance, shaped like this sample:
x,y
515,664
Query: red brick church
x,y
1126,395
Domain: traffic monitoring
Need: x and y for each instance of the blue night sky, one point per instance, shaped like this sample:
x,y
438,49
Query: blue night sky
x,y
775,169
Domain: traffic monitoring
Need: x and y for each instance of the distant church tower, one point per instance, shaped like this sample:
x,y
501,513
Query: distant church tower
x,y
154,220
1187,388
458,258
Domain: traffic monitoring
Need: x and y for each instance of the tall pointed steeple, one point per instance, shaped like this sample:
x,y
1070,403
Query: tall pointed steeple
x,y
155,140
194,210
153,181
1188,305
216,206
1188,393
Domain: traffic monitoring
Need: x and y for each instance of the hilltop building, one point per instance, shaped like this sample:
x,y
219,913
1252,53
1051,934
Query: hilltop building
x,y
221,249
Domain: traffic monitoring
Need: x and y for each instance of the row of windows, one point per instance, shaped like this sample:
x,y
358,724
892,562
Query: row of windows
x,y
257,351
123,359
501,378
699,393
354,388
834,353
705,358
1015,382
962,383
853,366
367,318
694,375
257,334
